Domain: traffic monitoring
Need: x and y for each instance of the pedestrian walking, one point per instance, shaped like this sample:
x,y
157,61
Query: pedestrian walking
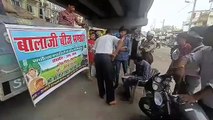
x,y
104,55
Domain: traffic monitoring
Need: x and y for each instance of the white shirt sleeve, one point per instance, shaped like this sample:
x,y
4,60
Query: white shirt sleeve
x,y
115,40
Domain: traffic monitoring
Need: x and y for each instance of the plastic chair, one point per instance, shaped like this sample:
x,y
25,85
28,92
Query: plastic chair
x,y
154,71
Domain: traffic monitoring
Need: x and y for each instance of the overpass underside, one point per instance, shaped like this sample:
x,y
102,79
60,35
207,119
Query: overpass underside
x,y
111,13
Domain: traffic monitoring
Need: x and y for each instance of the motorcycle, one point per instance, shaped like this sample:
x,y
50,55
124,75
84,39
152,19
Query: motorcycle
x,y
160,104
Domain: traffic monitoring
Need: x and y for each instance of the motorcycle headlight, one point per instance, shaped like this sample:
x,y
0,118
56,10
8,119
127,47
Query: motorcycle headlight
x,y
156,82
158,79
158,98
154,86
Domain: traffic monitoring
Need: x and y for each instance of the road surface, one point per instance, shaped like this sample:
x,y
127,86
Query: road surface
x,y
77,100
162,59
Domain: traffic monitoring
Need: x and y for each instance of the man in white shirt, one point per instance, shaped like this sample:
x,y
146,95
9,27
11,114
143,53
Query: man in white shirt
x,y
104,55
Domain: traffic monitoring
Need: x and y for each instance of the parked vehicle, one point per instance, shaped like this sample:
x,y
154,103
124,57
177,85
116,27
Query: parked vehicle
x,y
11,80
160,104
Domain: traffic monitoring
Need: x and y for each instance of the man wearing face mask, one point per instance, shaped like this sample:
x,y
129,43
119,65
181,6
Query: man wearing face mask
x,y
136,38
148,46
183,48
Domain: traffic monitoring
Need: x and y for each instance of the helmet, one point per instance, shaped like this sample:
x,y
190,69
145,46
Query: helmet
x,y
199,30
208,36
151,33
195,35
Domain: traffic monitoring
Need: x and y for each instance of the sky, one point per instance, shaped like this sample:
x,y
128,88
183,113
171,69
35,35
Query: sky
x,y
173,11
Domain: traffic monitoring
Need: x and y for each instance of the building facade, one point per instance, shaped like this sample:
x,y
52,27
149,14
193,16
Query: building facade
x,y
42,9
200,18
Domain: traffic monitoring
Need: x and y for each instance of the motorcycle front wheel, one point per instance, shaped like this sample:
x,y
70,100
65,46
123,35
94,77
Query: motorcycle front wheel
x,y
149,108
145,105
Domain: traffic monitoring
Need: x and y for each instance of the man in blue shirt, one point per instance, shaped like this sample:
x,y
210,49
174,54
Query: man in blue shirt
x,y
143,73
123,56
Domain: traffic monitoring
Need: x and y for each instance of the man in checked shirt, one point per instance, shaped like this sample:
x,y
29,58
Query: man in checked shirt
x,y
69,17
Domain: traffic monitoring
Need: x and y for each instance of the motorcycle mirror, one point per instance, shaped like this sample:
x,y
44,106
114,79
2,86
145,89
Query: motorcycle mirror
x,y
175,54
157,74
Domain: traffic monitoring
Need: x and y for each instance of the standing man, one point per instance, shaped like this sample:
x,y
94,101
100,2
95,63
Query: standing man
x,y
148,46
123,55
136,39
69,17
104,55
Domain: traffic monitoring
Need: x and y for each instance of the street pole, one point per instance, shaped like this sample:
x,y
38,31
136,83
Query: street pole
x,y
163,23
210,6
193,11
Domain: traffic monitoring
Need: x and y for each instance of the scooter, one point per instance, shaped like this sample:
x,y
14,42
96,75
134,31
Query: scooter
x,y
162,105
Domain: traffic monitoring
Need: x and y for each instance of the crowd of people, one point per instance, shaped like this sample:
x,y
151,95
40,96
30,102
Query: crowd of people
x,y
191,64
191,69
111,52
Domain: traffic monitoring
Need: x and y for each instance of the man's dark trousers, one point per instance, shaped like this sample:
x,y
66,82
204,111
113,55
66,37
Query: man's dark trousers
x,y
104,74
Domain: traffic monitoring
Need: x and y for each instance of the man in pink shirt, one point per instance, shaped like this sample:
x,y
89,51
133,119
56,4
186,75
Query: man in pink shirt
x,y
69,17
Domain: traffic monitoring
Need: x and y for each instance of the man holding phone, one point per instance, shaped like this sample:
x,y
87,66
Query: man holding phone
x,y
123,55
